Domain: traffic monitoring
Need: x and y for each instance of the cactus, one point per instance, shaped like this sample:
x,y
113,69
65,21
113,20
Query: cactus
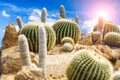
x,y
67,39
43,15
112,39
30,30
67,47
42,46
24,50
66,28
116,75
62,12
19,22
77,20
89,65
108,27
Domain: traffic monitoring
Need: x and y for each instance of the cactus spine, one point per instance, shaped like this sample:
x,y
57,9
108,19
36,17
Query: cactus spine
x,y
42,47
66,28
43,15
62,12
112,39
89,65
24,50
19,22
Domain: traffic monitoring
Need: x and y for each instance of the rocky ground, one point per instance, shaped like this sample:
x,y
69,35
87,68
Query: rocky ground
x,y
56,61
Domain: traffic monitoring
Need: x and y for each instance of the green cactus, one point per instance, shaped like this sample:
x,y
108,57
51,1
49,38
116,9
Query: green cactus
x,y
42,47
67,39
67,47
77,20
116,75
19,22
43,15
89,65
108,27
66,28
62,12
30,30
112,39
24,50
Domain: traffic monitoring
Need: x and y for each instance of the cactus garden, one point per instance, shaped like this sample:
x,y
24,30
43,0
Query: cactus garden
x,y
55,43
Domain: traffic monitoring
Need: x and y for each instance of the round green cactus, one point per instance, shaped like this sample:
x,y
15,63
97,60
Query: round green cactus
x,y
67,47
89,65
67,39
30,30
108,27
66,28
112,39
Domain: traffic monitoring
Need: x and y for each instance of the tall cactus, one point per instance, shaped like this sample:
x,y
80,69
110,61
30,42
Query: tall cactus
x,y
43,15
89,65
112,39
24,50
62,12
77,19
66,28
42,46
108,27
19,22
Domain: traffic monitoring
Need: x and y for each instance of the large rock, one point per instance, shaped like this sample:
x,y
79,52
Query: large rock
x,y
30,73
12,60
10,37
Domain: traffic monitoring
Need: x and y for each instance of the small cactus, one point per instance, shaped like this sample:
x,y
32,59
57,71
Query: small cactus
x,y
112,39
67,39
67,47
24,50
19,22
62,12
116,75
66,28
77,20
42,46
43,15
89,65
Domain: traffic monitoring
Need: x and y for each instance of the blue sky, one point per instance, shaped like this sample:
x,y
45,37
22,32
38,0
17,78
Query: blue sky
x,y
29,10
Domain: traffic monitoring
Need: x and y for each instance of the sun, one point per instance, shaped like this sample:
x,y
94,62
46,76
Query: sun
x,y
103,13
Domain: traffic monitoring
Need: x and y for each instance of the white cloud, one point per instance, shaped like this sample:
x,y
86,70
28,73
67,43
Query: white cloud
x,y
89,25
50,21
5,14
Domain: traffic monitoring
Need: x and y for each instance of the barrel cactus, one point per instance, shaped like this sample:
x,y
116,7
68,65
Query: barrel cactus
x,y
66,28
108,27
89,65
67,47
67,39
112,39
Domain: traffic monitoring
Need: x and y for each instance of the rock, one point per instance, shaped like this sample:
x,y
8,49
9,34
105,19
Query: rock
x,y
10,37
96,37
87,40
30,73
12,60
1,62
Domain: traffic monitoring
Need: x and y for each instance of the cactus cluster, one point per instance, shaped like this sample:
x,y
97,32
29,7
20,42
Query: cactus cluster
x,y
67,39
66,28
30,30
108,27
42,46
24,50
89,65
112,39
